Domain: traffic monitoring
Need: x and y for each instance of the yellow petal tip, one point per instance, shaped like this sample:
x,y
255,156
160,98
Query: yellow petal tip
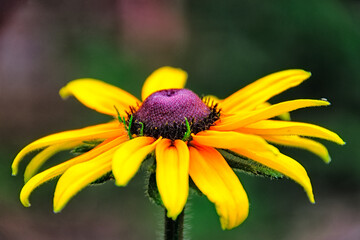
x,y
56,210
327,159
337,139
304,74
172,215
14,169
64,93
326,101
120,184
311,198
224,224
25,202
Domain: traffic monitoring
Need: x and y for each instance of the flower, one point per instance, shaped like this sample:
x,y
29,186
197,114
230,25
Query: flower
x,y
188,137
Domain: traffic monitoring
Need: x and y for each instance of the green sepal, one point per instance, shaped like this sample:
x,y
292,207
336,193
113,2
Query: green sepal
x,y
243,164
152,190
104,178
151,187
188,131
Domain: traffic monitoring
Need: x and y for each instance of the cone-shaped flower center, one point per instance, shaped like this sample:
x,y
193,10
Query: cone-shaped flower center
x,y
164,113
171,106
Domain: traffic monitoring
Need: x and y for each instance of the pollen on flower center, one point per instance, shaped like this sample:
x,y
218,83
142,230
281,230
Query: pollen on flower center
x,y
164,112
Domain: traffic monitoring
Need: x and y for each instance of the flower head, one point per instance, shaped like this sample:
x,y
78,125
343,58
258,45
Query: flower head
x,y
165,113
188,136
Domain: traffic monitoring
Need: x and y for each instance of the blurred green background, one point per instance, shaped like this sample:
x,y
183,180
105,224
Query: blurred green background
x,y
223,45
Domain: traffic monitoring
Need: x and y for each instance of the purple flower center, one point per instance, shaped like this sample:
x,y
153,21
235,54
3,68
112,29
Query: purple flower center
x,y
171,106
163,113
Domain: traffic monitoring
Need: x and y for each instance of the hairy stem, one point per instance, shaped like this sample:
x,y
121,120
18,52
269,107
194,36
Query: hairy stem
x,y
174,229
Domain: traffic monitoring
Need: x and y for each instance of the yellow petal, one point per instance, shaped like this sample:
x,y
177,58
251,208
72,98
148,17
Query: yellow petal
x,y
213,176
79,176
172,175
275,127
299,142
163,78
229,139
284,116
239,120
263,89
57,170
282,164
256,148
40,158
128,158
99,96
101,131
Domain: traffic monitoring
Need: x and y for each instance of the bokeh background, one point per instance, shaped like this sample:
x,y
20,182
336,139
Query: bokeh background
x,y
223,45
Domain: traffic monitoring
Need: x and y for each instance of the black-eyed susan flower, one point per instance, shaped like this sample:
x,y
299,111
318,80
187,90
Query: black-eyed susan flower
x,y
188,136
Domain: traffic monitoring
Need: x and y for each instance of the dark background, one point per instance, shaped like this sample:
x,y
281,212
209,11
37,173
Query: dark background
x,y
223,45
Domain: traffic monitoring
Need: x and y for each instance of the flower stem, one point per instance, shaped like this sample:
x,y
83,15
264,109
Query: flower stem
x,y
174,229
